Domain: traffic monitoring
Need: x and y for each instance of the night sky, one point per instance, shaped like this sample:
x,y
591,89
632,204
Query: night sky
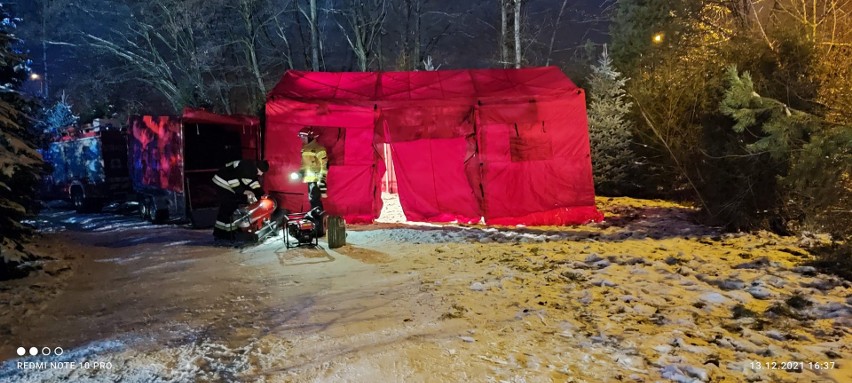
x,y
471,40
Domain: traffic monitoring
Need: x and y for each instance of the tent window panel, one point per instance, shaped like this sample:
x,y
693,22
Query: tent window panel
x,y
417,123
530,142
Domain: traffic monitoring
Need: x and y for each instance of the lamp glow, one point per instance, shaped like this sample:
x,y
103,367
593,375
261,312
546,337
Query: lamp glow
x,y
294,176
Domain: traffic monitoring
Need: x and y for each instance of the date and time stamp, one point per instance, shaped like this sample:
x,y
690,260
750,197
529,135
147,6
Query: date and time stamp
x,y
790,365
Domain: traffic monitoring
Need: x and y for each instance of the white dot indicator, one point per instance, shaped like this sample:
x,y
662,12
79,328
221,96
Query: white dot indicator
x,y
58,351
22,351
33,351
45,350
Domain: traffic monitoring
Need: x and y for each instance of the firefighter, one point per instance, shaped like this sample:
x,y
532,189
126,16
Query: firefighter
x,y
238,182
313,172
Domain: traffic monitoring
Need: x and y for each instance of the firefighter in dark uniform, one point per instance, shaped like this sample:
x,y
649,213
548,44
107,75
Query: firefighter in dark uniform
x,y
314,170
238,182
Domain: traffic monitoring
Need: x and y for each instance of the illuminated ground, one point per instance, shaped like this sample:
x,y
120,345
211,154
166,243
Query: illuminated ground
x,y
646,296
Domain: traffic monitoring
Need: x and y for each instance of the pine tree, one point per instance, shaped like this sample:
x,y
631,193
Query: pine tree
x,y
20,163
609,128
806,160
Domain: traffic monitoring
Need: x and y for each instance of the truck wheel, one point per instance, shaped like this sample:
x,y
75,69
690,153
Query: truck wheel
x,y
145,209
159,216
151,213
77,200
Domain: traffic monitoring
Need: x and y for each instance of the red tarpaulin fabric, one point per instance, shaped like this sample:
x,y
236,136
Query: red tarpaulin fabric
x,y
429,146
432,182
507,145
536,154
347,134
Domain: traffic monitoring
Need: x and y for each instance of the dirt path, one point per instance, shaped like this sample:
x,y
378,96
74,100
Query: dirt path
x,y
164,303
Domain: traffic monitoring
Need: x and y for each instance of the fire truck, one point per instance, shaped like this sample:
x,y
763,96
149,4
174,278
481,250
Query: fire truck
x,y
89,165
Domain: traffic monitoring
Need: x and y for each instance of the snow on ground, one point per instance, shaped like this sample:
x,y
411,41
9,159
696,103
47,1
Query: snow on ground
x,y
645,296
391,209
56,217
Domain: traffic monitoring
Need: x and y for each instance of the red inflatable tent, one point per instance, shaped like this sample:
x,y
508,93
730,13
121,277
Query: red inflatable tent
x,y
509,145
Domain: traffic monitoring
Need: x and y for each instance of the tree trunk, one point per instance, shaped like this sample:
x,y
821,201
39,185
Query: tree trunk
x,y
250,46
288,50
416,52
380,57
555,30
504,26
359,24
255,66
314,37
365,22
517,33
44,49
298,15
406,40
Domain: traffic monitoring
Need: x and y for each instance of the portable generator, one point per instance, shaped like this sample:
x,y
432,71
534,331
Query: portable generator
x,y
301,227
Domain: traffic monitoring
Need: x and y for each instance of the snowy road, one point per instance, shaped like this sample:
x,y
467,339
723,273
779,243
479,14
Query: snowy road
x,y
647,296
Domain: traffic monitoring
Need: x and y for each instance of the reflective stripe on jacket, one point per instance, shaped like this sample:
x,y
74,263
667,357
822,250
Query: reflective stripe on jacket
x,y
225,226
237,177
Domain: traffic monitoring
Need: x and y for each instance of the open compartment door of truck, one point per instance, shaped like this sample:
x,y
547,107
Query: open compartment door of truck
x,y
210,141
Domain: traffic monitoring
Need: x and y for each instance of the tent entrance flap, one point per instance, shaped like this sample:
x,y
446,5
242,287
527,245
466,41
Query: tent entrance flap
x,y
389,184
432,183
429,146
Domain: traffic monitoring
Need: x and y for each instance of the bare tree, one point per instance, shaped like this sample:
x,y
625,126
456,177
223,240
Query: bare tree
x,y
51,33
827,26
365,19
254,36
555,29
311,40
412,13
161,45
314,36
279,29
420,29
417,39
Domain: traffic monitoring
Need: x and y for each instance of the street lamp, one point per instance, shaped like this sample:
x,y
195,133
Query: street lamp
x,y
656,39
37,77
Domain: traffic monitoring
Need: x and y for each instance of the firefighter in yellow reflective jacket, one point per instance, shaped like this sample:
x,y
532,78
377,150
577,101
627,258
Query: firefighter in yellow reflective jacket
x,y
238,182
314,170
